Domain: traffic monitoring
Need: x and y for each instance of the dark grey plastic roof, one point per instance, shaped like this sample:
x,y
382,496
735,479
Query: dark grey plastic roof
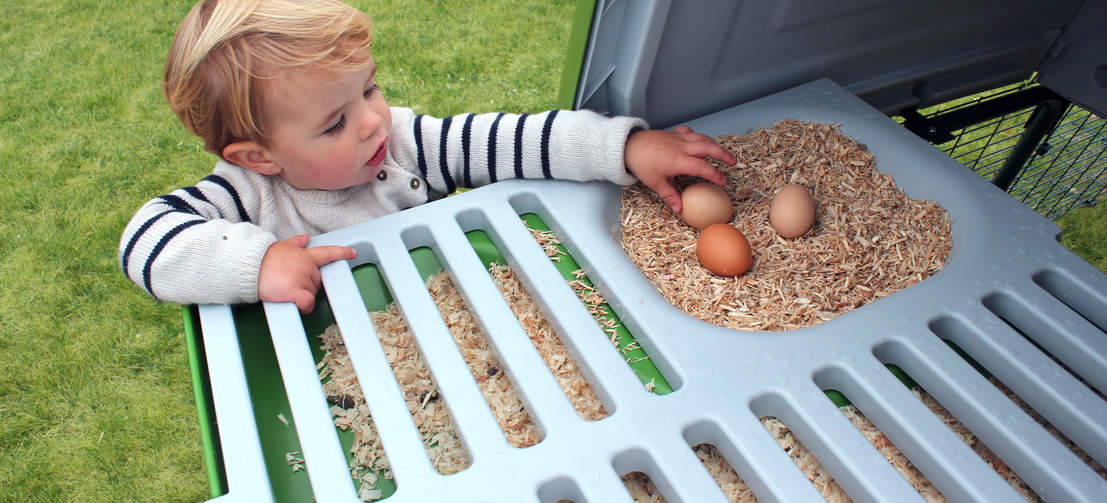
x,y
669,61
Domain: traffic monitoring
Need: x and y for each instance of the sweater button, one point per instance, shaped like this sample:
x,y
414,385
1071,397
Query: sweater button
x,y
414,184
382,176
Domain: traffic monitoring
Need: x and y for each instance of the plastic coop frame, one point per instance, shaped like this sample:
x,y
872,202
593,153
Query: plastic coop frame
x,y
1011,302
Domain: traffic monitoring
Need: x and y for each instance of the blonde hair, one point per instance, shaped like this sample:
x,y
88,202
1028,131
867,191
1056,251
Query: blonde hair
x,y
225,51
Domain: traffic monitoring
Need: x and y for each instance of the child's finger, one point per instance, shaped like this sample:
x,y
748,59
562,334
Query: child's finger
x,y
697,166
708,148
327,254
304,300
300,240
667,193
704,146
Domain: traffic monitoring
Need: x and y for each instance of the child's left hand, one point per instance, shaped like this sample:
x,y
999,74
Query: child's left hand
x,y
656,156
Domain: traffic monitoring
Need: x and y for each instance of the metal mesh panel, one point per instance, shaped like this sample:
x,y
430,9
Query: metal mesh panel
x,y
1068,167
1071,168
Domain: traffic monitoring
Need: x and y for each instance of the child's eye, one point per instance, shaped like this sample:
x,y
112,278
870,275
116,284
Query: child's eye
x,y
371,91
337,127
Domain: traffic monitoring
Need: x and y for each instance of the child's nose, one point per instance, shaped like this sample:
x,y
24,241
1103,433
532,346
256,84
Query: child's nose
x,y
369,123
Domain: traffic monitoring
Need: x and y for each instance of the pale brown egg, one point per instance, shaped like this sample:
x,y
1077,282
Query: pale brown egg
x,y
792,211
724,250
704,204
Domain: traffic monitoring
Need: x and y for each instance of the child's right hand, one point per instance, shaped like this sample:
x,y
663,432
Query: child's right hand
x,y
290,273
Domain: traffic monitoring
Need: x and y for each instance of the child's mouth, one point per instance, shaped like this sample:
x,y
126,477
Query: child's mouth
x,y
378,157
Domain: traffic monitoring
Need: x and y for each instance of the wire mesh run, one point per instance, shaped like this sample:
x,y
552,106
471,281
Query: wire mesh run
x,y
1067,169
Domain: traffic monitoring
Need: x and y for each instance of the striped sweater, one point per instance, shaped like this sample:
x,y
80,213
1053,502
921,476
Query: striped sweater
x,y
204,244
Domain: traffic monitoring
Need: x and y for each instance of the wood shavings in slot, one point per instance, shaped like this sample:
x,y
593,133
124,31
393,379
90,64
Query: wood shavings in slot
x,y
869,239
1084,456
922,484
295,460
594,301
503,398
891,453
977,446
733,486
548,344
548,241
641,488
368,463
431,416
805,461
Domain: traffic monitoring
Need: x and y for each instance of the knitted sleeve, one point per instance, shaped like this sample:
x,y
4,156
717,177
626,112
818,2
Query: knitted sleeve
x,y
470,150
197,245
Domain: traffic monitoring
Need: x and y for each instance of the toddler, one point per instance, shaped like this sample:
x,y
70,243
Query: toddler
x,y
285,93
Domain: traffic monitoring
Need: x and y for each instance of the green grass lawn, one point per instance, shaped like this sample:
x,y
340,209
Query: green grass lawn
x,y
95,398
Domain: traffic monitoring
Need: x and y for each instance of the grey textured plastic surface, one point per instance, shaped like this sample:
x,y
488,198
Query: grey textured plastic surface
x,y
670,61
1005,258
1077,64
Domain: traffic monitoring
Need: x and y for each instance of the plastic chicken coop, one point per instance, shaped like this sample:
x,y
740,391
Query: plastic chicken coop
x,y
1010,304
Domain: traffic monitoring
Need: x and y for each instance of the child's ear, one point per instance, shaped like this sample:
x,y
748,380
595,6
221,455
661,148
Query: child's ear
x,y
252,156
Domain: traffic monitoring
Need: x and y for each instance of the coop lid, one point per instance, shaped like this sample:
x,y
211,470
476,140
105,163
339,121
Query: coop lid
x,y
672,61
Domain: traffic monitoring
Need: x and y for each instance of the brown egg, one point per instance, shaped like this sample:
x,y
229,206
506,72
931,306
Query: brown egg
x,y
724,250
792,211
705,204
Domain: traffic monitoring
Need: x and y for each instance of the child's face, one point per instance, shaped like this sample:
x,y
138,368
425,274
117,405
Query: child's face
x,y
328,132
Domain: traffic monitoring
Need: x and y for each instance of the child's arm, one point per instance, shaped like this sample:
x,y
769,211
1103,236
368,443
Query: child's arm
x,y
207,245
197,244
471,150
476,149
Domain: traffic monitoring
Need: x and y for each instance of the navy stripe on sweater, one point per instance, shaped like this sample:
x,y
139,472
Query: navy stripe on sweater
x,y
443,166
492,147
178,203
222,182
466,131
157,251
546,144
196,193
422,161
519,145
138,234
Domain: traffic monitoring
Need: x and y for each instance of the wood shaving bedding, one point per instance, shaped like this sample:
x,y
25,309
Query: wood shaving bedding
x,y
642,488
432,418
891,453
869,239
805,460
548,344
924,486
977,446
1084,456
832,492
495,384
593,300
989,457
733,486
737,491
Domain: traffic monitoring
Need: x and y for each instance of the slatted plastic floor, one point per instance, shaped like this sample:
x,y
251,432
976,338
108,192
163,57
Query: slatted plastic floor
x,y
1006,271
